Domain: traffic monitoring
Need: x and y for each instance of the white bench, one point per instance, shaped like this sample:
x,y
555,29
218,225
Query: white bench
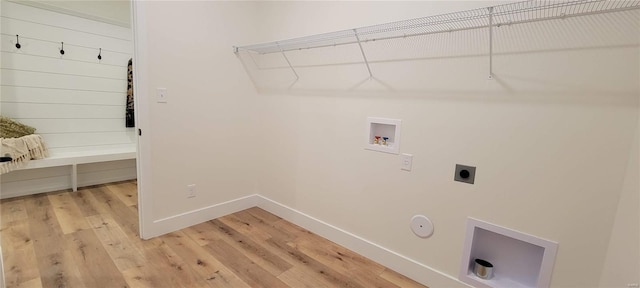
x,y
73,159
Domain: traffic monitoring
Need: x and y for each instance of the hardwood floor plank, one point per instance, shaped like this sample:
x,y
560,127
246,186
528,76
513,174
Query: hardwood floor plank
x,y
180,274
292,229
258,226
12,210
312,266
295,277
145,276
202,234
343,262
87,203
59,270
67,212
16,236
43,226
125,191
398,279
93,261
337,254
207,266
119,247
111,205
245,227
90,239
33,283
21,266
247,270
252,250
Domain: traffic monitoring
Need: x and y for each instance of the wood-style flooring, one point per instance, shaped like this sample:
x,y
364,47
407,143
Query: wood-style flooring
x,y
90,238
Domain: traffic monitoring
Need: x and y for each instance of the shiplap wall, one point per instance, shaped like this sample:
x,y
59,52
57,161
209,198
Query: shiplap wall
x,y
75,101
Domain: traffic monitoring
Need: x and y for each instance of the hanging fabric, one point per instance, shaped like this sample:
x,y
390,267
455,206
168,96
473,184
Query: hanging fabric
x,y
129,116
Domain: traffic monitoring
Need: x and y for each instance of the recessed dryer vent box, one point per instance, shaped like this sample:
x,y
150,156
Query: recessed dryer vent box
x,y
380,128
518,259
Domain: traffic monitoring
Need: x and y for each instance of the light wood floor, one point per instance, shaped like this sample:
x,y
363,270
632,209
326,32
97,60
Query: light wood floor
x,y
90,238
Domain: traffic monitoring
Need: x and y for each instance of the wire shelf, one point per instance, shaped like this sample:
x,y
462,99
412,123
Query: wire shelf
x,y
507,14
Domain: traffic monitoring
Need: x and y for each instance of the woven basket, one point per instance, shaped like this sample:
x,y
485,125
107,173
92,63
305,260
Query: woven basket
x,y
12,129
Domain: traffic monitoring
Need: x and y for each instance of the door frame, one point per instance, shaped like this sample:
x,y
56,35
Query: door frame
x,y
141,100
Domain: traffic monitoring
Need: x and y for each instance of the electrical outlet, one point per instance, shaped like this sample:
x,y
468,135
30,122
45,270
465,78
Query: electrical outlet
x,y
191,190
162,95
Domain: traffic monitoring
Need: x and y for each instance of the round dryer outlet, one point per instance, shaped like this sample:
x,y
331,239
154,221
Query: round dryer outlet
x,y
421,226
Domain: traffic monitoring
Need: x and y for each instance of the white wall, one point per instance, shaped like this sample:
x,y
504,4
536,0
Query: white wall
x,y
75,101
550,136
205,133
622,265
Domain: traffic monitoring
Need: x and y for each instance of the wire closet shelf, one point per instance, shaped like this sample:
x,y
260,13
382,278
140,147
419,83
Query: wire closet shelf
x,y
507,14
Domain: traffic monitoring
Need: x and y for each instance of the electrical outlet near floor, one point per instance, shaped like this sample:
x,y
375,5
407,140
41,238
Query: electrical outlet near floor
x,y
191,190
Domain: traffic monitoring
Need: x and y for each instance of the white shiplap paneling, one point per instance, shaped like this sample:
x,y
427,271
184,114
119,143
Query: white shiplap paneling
x,y
26,182
75,101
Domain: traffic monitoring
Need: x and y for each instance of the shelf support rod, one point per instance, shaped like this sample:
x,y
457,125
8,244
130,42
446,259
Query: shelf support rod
x,y
490,43
289,63
364,56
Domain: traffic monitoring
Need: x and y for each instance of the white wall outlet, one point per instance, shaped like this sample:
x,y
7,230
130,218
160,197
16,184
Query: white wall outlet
x,y
162,95
407,161
191,190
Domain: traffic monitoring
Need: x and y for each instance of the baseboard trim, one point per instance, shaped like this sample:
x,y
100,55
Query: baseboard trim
x,y
402,264
397,262
184,220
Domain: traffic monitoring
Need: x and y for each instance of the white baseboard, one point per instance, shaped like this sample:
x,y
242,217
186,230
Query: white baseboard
x,y
397,262
187,219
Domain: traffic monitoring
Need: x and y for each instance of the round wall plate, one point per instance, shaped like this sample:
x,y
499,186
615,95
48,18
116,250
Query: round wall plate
x,y
421,226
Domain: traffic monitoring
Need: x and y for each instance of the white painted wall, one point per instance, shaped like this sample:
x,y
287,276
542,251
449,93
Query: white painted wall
x,y
550,136
205,133
622,264
75,101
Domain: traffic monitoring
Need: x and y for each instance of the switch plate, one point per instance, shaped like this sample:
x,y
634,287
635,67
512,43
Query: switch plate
x,y
407,161
191,190
162,95
466,174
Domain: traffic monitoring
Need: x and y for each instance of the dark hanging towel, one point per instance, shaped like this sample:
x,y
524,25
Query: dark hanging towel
x,y
129,117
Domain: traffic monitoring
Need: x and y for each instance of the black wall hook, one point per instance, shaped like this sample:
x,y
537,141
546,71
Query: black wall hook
x,y
62,49
18,42
100,54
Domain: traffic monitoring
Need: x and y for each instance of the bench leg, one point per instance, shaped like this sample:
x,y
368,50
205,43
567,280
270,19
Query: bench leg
x,y
74,177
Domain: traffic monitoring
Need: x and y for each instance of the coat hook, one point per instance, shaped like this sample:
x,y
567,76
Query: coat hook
x,y
100,54
18,42
62,49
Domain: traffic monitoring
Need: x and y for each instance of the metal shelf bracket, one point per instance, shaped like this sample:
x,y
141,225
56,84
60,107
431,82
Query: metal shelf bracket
x,y
364,56
290,66
490,43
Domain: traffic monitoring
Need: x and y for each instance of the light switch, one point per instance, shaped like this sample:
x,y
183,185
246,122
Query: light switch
x,y
407,160
162,95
